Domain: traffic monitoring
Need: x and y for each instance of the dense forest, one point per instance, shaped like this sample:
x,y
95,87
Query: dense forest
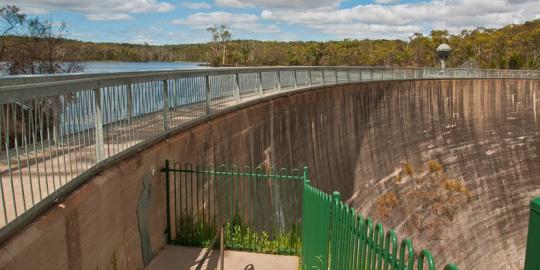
x,y
514,46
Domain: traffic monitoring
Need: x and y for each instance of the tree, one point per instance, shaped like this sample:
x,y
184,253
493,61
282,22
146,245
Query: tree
x,y
34,45
10,21
221,35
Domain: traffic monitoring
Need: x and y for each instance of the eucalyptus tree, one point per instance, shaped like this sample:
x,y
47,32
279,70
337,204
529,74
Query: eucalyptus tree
x,y
10,21
221,35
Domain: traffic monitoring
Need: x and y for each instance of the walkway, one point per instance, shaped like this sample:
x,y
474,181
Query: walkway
x,y
178,257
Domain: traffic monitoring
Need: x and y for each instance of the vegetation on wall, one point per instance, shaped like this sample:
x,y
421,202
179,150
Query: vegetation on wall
x,y
424,204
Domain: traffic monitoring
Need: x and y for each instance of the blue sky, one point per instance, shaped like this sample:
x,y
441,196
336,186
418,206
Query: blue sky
x,y
178,21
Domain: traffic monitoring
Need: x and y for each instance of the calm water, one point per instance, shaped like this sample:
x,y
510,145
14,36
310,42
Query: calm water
x,y
96,67
112,66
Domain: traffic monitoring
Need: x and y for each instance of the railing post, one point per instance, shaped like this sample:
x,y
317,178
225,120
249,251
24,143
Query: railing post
x,y
295,79
260,83
129,97
335,76
348,75
166,170
57,131
165,105
323,77
222,249
98,129
309,77
305,176
237,88
336,195
371,74
278,80
532,260
207,95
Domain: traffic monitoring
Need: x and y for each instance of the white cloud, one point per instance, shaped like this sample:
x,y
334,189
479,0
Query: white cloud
x,y
196,5
386,2
97,9
305,4
401,20
109,17
239,22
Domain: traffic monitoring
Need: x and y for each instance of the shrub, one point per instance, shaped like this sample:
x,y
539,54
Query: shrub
x,y
457,186
408,168
434,166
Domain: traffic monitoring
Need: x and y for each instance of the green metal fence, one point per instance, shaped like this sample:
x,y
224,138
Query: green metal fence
x,y
335,237
315,228
532,258
260,208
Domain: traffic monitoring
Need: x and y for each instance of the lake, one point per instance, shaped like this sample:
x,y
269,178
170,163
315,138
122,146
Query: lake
x,y
111,66
114,66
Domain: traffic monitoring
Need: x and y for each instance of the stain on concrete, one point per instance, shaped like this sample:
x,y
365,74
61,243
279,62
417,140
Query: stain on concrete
x,y
73,240
142,213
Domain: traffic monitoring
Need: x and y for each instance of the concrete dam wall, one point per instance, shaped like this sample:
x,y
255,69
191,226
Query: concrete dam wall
x,y
370,141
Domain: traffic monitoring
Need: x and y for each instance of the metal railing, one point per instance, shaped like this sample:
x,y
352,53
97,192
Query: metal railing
x,y
58,130
334,236
532,260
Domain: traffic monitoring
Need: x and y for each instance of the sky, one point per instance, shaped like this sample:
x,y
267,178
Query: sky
x,y
180,22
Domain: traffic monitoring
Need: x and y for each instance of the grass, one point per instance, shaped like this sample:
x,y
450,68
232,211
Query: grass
x,y
434,166
238,235
408,168
194,230
457,186
385,203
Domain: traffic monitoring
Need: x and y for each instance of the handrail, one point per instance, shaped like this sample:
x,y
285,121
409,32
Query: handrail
x,y
47,83
219,235
56,131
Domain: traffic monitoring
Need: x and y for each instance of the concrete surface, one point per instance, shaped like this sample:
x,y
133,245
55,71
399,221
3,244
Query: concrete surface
x,y
353,138
178,257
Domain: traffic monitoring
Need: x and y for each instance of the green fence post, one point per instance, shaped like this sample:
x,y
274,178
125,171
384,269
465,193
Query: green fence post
x,y
336,195
334,241
532,259
306,177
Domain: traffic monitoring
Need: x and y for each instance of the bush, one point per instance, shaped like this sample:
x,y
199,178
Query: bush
x,y
435,166
408,168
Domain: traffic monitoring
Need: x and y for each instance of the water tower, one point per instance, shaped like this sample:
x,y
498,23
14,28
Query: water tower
x,y
443,51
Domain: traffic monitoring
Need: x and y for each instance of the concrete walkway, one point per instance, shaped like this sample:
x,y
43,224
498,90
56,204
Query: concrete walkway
x,y
179,258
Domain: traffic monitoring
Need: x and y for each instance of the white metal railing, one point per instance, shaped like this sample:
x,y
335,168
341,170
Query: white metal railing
x,y
57,130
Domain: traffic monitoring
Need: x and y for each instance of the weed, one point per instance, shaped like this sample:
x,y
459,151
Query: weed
x,y
385,203
238,235
434,166
408,168
457,186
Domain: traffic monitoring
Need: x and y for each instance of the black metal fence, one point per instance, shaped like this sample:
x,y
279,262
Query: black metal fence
x,y
260,208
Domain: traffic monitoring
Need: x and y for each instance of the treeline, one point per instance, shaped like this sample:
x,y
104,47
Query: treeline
x,y
513,46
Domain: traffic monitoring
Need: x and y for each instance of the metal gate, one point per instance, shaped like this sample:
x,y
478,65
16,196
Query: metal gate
x,y
260,209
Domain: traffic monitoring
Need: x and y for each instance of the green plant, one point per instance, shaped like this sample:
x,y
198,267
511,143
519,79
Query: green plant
x,y
239,235
194,230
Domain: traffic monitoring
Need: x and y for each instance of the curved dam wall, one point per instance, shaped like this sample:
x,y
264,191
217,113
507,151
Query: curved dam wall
x,y
354,138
